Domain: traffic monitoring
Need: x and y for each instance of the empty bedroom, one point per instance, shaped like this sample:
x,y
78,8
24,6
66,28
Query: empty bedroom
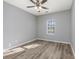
x,y
38,29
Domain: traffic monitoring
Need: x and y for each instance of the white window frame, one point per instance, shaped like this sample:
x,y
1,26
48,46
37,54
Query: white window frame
x,y
54,25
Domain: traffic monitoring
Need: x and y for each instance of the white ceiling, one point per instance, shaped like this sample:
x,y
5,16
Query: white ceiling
x,y
53,5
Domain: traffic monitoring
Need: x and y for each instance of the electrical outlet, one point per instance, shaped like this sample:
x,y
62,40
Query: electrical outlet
x,y
15,41
10,44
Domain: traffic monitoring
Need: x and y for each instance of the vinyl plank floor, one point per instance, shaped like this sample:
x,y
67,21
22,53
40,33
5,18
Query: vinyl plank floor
x,y
45,50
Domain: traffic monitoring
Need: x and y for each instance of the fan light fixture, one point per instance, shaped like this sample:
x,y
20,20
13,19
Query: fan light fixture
x,y
38,5
38,8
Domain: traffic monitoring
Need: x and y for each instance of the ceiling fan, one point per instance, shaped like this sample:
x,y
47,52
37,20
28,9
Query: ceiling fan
x,y
38,5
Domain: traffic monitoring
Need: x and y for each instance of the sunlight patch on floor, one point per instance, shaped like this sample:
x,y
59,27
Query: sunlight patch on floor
x,y
31,46
12,51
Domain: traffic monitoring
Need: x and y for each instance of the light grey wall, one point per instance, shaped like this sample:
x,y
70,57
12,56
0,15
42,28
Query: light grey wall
x,y
63,31
19,26
73,26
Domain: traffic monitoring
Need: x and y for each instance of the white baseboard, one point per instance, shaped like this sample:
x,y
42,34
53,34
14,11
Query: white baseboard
x,y
72,49
53,40
39,39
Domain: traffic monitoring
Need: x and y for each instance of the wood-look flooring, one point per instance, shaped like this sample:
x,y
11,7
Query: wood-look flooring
x,y
46,50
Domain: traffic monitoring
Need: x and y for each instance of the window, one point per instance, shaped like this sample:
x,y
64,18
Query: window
x,y
51,25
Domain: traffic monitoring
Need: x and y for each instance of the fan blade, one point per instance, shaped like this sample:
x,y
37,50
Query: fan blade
x,y
44,7
30,6
32,1
43,1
